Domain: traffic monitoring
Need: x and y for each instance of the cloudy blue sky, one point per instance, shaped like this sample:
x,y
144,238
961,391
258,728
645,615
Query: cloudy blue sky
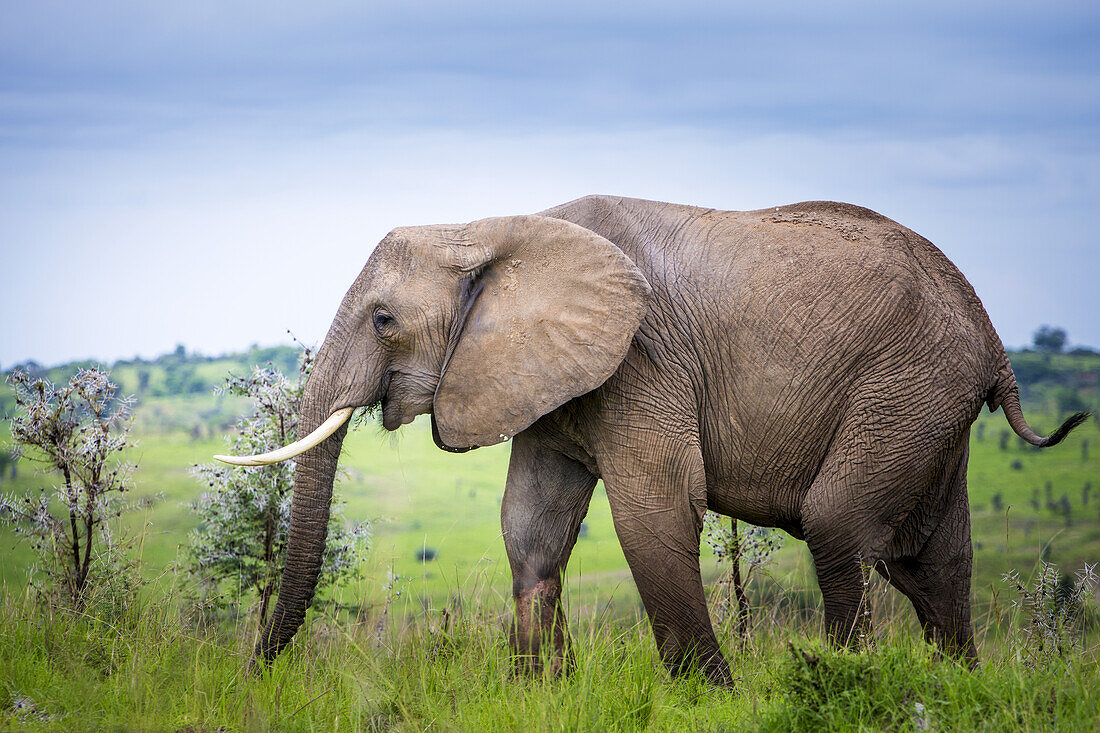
x,y
215,173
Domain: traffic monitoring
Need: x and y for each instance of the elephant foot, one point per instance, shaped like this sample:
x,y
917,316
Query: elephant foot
x,y
711,664
553,665
717,672
958,647
539,640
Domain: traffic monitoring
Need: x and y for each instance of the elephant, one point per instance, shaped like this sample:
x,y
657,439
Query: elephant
x,y
814,367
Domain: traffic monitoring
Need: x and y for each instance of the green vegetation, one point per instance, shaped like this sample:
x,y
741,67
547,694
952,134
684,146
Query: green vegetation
x,y
152,670
240,545
420,639
79,431
173,390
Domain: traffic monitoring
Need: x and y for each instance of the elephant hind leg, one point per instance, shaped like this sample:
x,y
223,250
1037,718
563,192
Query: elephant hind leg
x,y
937,579
940,596
868,507
846,538
865,490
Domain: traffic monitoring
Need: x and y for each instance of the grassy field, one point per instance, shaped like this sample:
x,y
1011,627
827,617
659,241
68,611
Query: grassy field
x,y
418,496
147,669
387,659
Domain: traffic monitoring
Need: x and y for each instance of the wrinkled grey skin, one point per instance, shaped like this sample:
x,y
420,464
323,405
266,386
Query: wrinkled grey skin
x,y
813,367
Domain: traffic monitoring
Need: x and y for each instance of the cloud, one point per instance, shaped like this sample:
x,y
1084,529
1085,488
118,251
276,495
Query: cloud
x,y
232,164
788,66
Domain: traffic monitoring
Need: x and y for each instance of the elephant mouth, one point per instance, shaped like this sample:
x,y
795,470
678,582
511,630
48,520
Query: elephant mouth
x,y
395,415
393,422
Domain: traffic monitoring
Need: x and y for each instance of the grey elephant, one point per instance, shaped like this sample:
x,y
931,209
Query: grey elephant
x,y
813,367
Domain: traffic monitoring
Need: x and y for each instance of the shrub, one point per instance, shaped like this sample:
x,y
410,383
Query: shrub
x,y
240,545
829,689
77,432
1055,609
755,547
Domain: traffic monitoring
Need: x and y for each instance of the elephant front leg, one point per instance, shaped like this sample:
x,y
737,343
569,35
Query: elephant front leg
x,y
538,637
546,498
657,492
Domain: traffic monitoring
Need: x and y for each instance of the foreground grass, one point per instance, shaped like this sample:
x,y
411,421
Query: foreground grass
x,y
146,669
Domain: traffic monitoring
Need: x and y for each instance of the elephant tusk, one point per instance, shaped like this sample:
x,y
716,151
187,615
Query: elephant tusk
x,y
327,428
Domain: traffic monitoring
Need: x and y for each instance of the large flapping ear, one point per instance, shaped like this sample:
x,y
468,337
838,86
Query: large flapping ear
x,y
556,307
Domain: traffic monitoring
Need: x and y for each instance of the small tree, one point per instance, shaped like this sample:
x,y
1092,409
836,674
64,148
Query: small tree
x,y
1049,340
77,431
755,547
240,545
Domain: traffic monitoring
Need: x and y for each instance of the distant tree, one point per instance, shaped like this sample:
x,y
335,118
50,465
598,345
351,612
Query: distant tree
x,y
240,545
1066,510
1069,400
1049,340
184,379
78,431
143,380
7,459
30,367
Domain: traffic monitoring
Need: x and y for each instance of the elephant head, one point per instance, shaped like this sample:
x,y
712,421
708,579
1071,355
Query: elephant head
x,y
487,326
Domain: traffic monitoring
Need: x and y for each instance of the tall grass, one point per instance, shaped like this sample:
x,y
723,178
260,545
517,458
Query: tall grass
x,y
152,665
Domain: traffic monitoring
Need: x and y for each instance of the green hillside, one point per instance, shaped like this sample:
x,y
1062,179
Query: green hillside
x,y
418,496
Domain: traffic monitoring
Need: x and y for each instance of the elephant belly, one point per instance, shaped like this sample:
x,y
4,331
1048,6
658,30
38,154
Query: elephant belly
x,y
763,480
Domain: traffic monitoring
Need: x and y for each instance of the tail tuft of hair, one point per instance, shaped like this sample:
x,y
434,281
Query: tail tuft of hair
x,y
1058,435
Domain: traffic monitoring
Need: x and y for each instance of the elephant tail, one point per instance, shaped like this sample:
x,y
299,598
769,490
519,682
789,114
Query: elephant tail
x,y
1006,394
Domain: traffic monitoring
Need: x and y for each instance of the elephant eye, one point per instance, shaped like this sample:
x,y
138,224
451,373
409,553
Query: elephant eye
x,y
383,323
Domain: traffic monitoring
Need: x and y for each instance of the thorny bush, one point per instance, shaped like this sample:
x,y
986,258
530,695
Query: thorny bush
x,y
240,545
1055,607
77,433
755,546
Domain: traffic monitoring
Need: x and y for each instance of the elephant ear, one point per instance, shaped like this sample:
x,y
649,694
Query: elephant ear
x,y
554,309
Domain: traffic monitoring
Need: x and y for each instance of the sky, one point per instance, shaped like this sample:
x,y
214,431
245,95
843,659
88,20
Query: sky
x,y
216,174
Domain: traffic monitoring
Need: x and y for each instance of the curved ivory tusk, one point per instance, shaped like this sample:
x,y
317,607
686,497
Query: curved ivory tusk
x,y
327,428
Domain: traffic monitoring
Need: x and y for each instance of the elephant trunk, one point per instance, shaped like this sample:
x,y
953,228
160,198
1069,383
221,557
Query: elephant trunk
x,y
314,474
